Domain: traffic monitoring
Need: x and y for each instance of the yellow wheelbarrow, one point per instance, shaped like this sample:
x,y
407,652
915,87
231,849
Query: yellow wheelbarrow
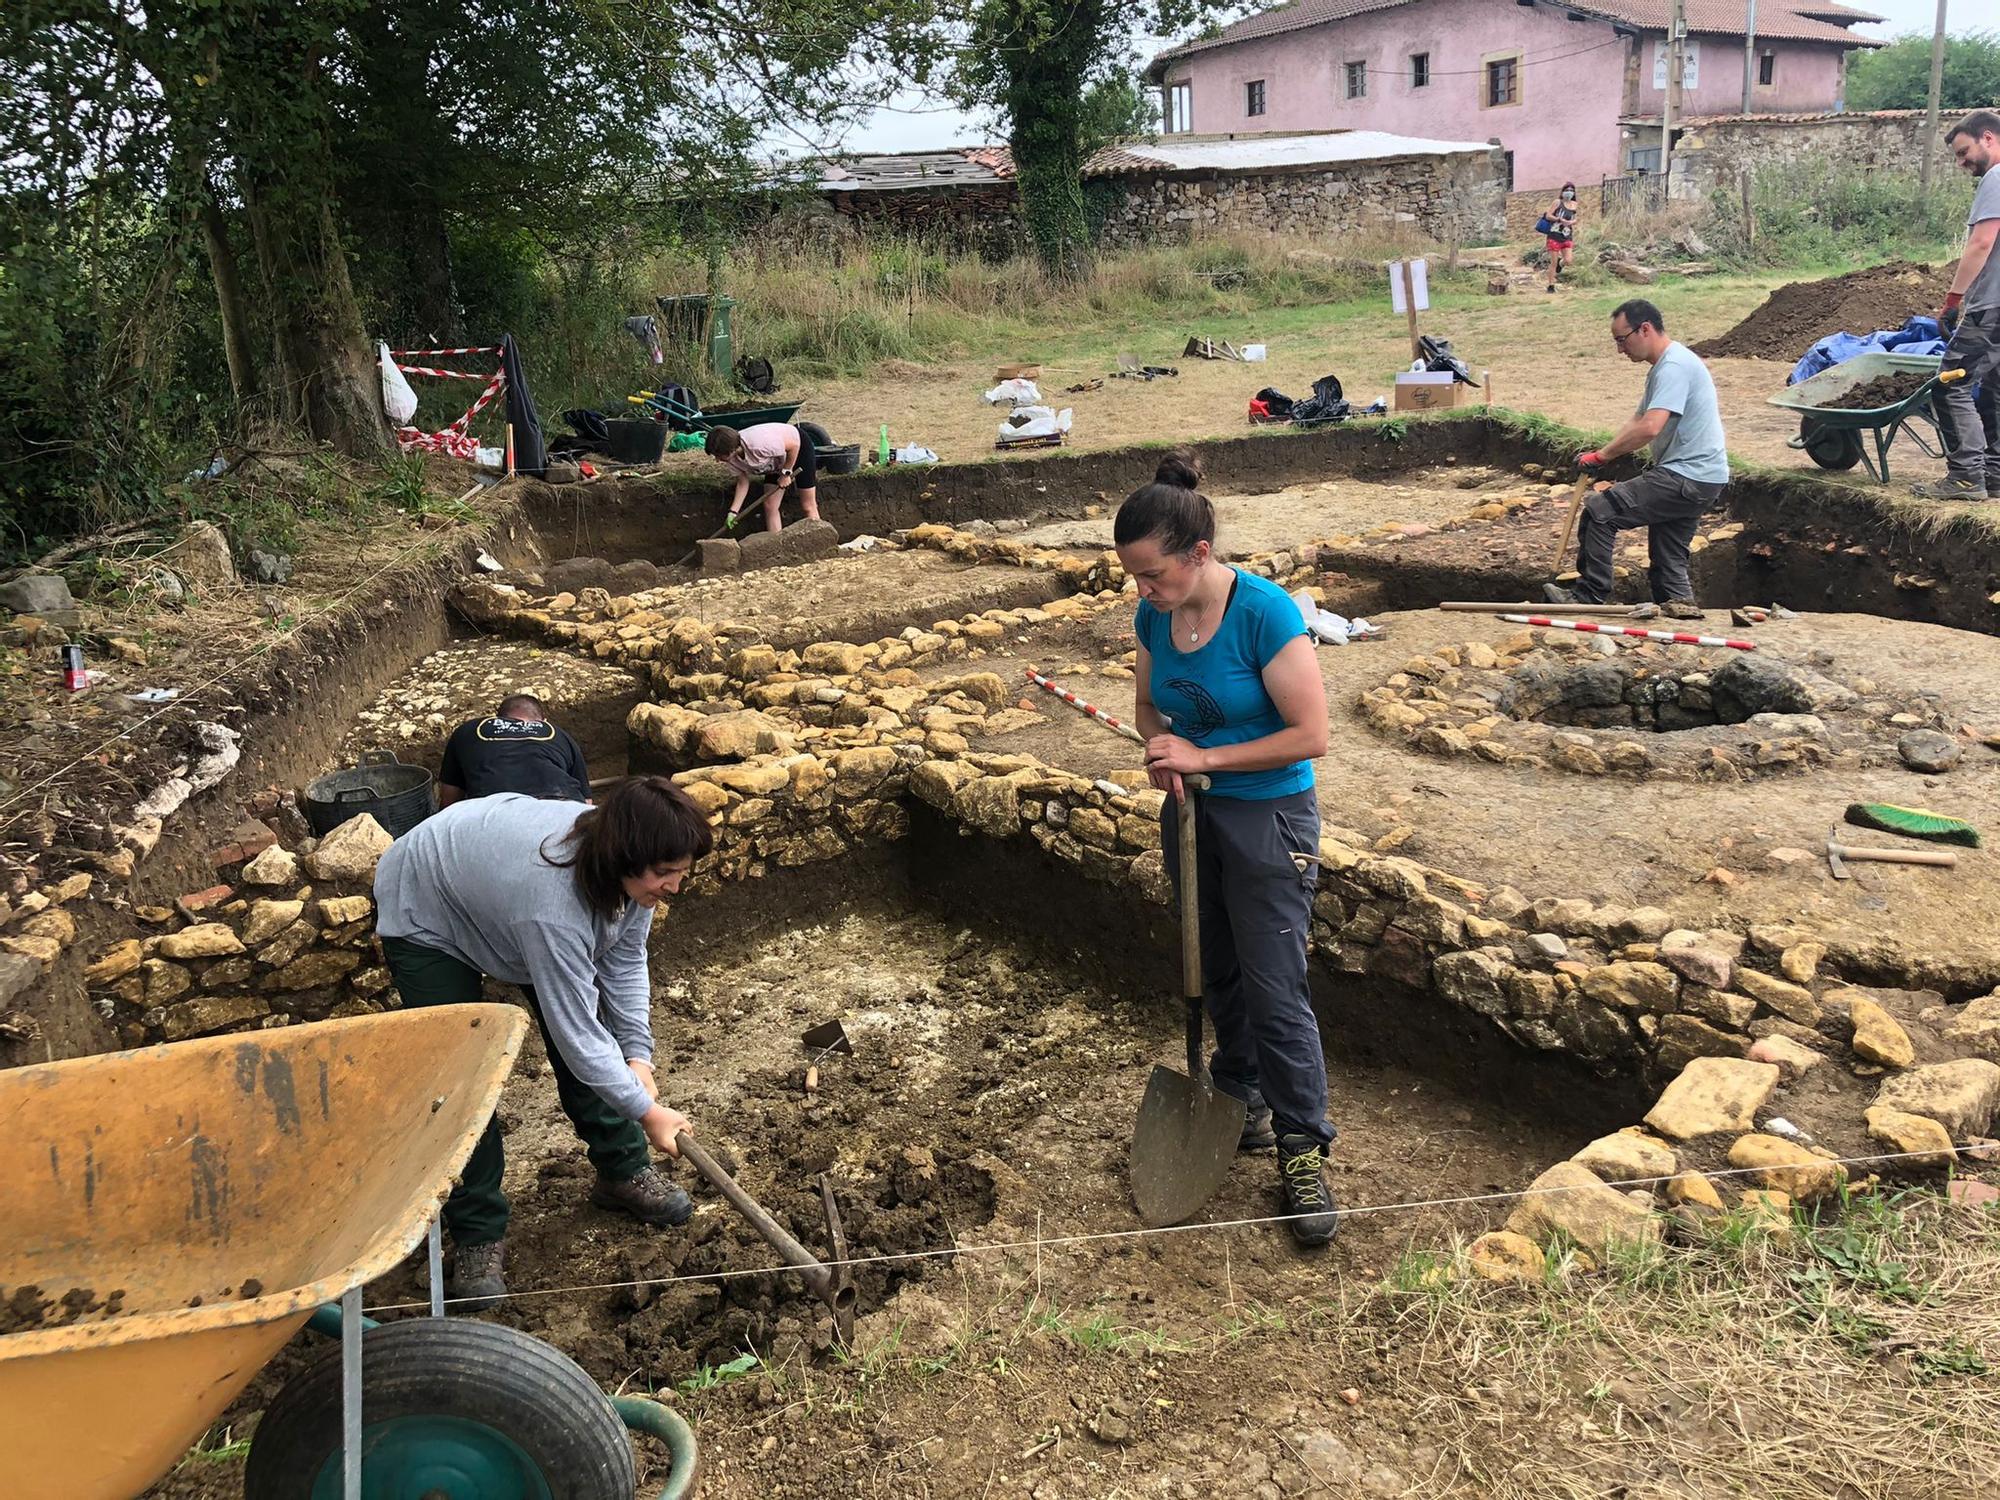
x,y
176,1214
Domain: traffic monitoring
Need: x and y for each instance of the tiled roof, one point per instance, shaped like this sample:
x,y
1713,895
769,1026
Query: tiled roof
x,y
1779,20
1268,153
955,166
1812,119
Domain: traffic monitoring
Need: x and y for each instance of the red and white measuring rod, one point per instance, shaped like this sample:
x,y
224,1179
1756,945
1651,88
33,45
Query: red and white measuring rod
x,y
1090,708
1671,637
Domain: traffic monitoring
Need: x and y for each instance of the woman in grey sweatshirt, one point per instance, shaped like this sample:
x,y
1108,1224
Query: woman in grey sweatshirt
x,y
559,900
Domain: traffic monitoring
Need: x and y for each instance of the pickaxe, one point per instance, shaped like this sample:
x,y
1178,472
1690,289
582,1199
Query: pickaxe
x,y
1838,853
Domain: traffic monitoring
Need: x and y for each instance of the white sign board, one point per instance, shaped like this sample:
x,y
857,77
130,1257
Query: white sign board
x,y
1690,64
1419,282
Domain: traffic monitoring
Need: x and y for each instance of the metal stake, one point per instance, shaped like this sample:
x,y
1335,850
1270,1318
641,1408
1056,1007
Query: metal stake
x,y
437,1266
350,1394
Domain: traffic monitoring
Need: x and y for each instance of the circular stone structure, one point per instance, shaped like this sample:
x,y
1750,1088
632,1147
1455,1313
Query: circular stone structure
x,y
1604,704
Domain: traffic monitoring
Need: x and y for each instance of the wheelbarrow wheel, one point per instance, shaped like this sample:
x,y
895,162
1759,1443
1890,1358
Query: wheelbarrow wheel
x,y
1837,448
815,434
452,1409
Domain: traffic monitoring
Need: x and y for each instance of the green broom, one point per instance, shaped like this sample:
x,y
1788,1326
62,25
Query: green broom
x,y
1913,822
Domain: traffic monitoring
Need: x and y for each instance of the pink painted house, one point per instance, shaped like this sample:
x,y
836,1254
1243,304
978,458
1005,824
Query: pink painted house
x,y
1566,89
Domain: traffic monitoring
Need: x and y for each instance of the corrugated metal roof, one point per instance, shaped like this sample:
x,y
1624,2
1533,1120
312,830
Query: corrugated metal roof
x,y
1267,153
1779,20
898,171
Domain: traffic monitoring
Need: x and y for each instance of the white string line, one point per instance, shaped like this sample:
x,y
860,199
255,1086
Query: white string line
x,y
1040,1243
187,698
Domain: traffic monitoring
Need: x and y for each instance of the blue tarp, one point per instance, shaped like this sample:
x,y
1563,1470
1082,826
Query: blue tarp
x,y
1921,335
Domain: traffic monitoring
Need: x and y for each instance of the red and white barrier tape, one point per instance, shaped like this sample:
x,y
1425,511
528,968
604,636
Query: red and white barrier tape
x,y
453,441
444,374
1090,708
1671,637
441,353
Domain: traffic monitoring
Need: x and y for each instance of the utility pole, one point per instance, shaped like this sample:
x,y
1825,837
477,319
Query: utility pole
x,y
1670,96
1749,50
1937,88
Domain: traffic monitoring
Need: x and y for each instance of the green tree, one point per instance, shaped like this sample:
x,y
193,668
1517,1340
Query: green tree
x,y
1899,76
1118,107
1055,72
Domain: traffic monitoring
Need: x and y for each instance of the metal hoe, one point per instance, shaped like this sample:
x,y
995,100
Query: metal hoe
x,y
832,1284
1187,1132
1837,855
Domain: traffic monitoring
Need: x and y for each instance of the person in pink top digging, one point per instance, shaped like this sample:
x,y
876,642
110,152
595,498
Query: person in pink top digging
x,y
777,454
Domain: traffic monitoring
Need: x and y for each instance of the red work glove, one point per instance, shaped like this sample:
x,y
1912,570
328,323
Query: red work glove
x,y
1590,462
1948,314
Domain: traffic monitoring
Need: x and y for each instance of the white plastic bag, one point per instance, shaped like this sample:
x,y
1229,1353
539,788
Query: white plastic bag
x,y
398,400
1020,392
915,453
1034,422
1253,353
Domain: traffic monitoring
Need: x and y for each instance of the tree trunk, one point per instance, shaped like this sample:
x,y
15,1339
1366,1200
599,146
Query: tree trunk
x,y
228,298
328,381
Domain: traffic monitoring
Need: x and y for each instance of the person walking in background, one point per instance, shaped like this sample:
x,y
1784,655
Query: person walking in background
x,y
1970,319
1229,687
1678,415
777,454
1560,237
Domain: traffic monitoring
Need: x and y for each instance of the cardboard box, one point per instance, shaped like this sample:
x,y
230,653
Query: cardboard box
x,y
1429,390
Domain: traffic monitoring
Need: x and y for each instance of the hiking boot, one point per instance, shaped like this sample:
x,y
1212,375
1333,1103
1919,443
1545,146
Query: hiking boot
x,y
1680,609
1302,1181
1993,486
651,1197
472,1278
1951,487
1257,1132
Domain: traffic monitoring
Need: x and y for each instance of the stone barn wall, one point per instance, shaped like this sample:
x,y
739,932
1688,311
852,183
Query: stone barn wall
x,y
1458,199
1716,151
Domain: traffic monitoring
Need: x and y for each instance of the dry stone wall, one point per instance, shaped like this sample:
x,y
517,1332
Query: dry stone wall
x,y
1459,199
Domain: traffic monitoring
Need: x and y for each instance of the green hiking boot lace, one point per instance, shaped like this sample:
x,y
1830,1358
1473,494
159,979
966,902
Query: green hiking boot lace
x,y
1303,1182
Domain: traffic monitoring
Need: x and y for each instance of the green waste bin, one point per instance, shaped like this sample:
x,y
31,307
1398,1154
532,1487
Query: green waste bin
x,y
721,345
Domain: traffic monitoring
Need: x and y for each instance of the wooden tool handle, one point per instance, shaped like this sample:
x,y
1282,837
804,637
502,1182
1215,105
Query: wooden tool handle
x,y
1898,856
1575,510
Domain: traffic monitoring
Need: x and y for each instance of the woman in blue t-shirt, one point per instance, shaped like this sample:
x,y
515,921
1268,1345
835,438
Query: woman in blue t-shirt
x,y
1228,686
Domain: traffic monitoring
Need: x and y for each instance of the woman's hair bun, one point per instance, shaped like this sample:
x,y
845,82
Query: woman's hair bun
x,y
1180,469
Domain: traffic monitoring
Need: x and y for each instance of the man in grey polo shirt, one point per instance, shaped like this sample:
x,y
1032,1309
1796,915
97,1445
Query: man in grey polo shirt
x,y
1971,321
1679,417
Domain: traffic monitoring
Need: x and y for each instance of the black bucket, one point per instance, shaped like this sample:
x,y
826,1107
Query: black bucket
x,y
636,440
395,795
841,459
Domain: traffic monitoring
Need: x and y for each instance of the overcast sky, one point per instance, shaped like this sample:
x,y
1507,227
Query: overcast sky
x,y
918,124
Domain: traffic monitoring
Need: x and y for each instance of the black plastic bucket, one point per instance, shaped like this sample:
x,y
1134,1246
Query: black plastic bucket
x,y
397,796
636,440
840,459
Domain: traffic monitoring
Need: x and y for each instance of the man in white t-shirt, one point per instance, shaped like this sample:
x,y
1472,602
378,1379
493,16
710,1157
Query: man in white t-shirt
x,y
1971,321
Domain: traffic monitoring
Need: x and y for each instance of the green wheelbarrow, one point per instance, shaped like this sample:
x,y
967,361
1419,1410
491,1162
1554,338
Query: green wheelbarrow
x,y
177,1213
1834,436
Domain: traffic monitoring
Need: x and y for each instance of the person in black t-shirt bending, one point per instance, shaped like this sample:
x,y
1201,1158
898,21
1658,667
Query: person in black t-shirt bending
x,y
517,750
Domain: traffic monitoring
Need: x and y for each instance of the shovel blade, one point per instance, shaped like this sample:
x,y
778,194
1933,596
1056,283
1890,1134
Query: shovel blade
x,y
1182,1147
828,1036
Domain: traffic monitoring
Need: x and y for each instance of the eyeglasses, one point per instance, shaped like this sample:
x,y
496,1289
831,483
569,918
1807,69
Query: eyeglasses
x,y
1619,338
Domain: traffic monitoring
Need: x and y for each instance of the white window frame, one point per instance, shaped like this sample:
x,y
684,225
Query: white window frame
x,y
1178,111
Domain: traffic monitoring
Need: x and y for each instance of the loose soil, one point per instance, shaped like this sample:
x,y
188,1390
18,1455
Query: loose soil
x,y
1799,315
1883,390
988,1104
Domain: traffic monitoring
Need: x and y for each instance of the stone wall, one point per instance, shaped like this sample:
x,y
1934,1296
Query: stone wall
x,y
1716,152
1458,200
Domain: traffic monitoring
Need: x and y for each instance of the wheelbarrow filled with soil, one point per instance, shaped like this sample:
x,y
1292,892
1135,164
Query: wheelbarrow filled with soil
x,y
1872,395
